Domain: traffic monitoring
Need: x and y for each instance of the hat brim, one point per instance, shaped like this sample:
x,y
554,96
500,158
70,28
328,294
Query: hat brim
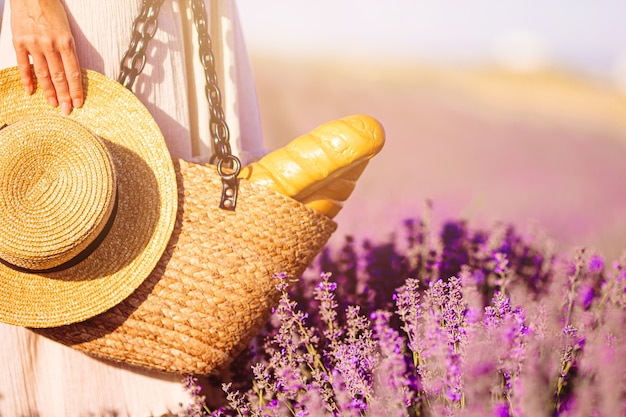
x,y
144,220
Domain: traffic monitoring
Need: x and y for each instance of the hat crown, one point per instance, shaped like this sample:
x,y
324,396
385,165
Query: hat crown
x,y
57,191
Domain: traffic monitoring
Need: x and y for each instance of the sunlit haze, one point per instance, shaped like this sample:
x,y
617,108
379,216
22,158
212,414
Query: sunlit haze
x,y
584,36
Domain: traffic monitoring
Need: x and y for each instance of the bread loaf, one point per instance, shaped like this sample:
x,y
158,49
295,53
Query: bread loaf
x,y
320,169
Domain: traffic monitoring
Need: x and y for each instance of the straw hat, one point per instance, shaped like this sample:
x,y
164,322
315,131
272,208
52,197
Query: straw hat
x,y
87,202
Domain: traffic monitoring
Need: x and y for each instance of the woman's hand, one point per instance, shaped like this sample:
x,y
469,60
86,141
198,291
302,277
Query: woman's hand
x,y
41,30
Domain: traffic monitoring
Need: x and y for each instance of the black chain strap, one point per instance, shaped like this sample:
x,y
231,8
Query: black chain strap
x,y
134,60
144,28
228,165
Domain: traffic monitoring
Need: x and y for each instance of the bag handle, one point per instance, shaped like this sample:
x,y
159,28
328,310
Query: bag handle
x,y
134,60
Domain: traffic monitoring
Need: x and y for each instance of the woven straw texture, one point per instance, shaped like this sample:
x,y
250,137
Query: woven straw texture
x,y
58,191
145,215
214,287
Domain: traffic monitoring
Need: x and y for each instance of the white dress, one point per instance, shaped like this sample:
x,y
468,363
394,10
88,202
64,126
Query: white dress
x,y
43,378
172,83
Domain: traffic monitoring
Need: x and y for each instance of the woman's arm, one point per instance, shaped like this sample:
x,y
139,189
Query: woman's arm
x,y
41,30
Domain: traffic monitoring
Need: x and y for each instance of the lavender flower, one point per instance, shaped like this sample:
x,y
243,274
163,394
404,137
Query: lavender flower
x,y
408,309
354,357
196,407
325,294
392,386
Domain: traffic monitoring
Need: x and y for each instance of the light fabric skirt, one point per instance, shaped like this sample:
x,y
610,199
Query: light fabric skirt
x,y
43,378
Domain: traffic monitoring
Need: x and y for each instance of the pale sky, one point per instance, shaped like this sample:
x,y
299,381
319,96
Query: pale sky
x,y
585,35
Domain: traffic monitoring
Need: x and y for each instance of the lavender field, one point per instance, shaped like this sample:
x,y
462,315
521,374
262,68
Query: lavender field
x,y
453,322
479,268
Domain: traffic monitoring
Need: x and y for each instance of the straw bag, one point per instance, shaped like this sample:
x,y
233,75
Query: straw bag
x,y
178,273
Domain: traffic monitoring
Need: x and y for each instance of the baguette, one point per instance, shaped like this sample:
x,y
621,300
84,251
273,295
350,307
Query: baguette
x,y
329,199
320,169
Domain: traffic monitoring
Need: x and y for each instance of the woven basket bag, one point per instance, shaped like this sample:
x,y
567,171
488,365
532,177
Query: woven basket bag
x,y
214,286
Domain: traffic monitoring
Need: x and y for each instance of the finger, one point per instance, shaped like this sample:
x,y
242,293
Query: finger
x,y
73,76
42,72
59,81
25,69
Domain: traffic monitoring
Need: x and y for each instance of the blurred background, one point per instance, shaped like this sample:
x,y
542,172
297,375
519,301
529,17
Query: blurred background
x,y
495,111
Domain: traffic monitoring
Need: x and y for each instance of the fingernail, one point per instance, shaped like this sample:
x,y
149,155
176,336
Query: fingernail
x,y
66,108
28,89
77,103
53,102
